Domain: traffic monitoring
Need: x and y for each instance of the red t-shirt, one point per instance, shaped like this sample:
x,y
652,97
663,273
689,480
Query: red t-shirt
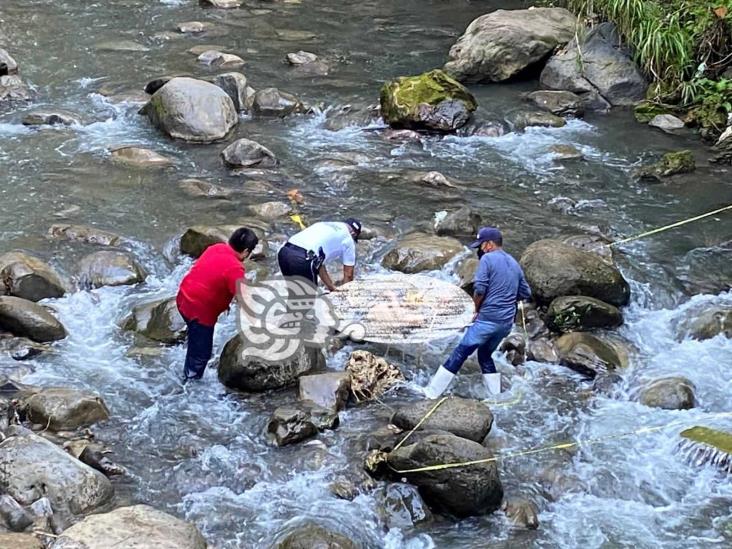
x,y
208,288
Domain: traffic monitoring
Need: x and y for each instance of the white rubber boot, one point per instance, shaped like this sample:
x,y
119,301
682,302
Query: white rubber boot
x,y
439,383
492,382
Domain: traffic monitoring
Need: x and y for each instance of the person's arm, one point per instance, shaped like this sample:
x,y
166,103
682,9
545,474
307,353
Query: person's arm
x,y
524,290
325,277
480,285
348,273
233,276
348,256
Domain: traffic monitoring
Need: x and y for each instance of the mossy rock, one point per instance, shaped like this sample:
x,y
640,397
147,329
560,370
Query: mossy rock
x,y
645,111
429,101
712,438
672,163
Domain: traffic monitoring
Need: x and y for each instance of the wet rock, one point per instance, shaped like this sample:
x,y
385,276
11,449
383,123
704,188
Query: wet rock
x,y
462,222
329,390
672,163
431,179
669,393
465,491
32,467
245,153
349,116
704,322
84,233
289,425
252,373
235,85
110,268
192,110
220,60
21,348
526,119
158,320
723,148
483,128
156,83
580,313
198,50
199,237
8,65
522,513
591,243
603,66
429,101
502,44
312,536
324,419
62,409
667,123
273,102
542,350
122,46
301,58
567,153
515,348
25,318
559,102
421,252
270,210
13,516
222,4
606,384
466,273
462,417
555,269
20,541
343,488
25,276
147,526
50,118
587,354
198,188
403,507
13,89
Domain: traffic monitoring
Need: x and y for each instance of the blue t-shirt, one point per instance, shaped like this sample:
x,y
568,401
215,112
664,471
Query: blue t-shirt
x,y
500,278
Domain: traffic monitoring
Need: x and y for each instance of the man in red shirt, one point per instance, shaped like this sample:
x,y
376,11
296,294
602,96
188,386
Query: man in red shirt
x,y
206,292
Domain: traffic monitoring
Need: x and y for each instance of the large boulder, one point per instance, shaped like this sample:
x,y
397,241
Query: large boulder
x,y
704,322
600,64
158,320
671,163
462,491
273,102
461,222
429,101
192,110
199,237
252,374
669,393
421,252
32,467
137,526
22,275
463,417
289,425
110,268
328,390
62,409
314,536
554,268
502,44
588,354
578,313
245,153
24,318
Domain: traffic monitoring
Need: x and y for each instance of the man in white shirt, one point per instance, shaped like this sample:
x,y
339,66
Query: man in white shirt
x,y
306,252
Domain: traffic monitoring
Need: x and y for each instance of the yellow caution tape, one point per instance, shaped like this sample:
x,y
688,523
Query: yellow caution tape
x,y
421,421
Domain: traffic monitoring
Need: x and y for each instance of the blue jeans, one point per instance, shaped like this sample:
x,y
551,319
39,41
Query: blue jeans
x,y
200,347
484,336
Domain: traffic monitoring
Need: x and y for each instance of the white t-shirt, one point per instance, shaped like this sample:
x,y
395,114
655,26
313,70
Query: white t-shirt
x,y
333,237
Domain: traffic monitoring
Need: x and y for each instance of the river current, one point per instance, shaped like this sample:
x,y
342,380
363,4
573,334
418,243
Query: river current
x,y
202,455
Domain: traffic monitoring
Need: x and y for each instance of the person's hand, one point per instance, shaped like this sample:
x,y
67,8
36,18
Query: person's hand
x,y
475,316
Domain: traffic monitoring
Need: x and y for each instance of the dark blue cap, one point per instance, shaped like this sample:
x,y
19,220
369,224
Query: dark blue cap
x,y
355,226
485,234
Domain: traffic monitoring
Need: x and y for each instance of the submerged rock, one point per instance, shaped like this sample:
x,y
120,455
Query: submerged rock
x,y
669,393
421,252
587,354
12,89
158,320
270,210
139,157
429,101
462,417
148,527
203,189
25,318
33,467
472,490
192,110
461,222
313,536
273,102
704,323
220,60
502,44
63,409
554,268
50,118
329,390
672,163
254,374
581,313
289,425
301,58
84,233
599,64
526,119
25,276
559,102
110,268
21,348
522,513
245,153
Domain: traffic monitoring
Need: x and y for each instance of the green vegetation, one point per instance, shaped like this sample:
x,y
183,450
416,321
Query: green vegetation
x,y
684,46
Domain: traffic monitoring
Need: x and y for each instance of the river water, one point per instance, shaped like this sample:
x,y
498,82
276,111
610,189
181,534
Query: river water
x,y
202,455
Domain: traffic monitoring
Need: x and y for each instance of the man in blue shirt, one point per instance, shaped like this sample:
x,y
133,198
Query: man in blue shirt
x,y
499,284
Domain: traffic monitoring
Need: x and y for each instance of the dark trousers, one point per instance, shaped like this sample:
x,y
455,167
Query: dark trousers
x,y
200,347
295,261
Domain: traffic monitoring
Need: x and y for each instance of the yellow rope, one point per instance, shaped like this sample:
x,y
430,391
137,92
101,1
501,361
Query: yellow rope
x,y
421,421
559,446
